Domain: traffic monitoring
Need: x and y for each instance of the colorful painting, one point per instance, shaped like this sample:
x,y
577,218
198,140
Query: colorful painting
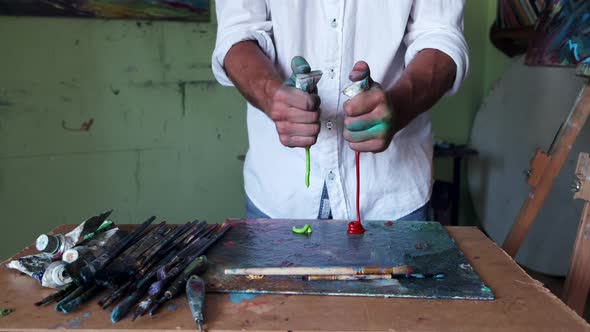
x,y
562,35
177,10
441,269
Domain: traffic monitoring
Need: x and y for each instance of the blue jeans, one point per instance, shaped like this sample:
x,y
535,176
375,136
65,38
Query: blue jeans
x,y
421,214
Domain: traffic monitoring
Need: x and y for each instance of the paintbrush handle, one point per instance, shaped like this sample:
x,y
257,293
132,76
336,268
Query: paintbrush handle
x,y
349,277
316,271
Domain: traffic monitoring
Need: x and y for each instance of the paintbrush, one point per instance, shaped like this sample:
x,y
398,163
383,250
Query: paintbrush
x,y
57,296
88,272
77,292
373,276
121,310
196,267
309,271
172,291
114,296
74,304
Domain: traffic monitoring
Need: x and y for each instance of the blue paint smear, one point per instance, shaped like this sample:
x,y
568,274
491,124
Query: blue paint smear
x,y
86,315
172,307
240,297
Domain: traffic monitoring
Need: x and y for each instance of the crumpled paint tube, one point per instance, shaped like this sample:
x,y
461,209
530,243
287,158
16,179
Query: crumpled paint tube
x,y
58,244
32,265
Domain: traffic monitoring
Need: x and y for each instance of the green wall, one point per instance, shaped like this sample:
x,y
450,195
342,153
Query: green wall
x,y
166,138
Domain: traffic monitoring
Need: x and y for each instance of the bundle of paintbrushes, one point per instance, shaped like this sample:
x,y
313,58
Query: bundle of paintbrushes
x,y
136,271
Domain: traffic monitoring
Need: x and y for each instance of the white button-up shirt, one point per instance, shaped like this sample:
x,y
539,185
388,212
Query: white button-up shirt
x,y
332,35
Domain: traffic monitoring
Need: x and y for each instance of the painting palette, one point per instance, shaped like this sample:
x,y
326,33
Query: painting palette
x,y
425,246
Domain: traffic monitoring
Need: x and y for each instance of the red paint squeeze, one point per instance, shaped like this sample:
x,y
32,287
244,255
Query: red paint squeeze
x,y
356,227
389,223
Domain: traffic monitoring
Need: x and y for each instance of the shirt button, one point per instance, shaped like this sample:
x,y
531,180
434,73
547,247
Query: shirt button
x,y
334,24
332,73
329,125
331,176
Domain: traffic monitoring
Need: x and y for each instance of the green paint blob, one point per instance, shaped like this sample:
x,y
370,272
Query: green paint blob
x,y
306,229
6,312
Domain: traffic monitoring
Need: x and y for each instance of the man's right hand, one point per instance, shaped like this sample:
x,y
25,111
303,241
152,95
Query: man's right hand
x,y
295,112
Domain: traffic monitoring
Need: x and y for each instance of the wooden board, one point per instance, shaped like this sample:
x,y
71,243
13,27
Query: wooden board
x,y
521,304
424,246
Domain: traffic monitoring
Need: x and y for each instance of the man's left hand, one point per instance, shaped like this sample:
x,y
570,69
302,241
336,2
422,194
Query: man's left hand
x,y
369,116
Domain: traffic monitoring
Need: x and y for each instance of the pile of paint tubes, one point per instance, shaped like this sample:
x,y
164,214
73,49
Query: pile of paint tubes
x,y
63,254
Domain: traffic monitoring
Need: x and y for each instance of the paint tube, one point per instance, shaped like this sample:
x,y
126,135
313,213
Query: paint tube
x,y
33,265
56,276
57,244
307,82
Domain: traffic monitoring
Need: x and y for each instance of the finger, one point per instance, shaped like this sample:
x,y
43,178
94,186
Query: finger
x,y
360,71
298,129
299,65
377,131
374,145
364,103
367,120
297,98
297,141
297,115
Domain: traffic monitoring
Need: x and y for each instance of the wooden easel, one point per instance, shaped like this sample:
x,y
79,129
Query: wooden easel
x,y
544,167
577,282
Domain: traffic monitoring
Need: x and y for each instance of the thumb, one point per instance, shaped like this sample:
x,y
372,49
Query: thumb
x,y
299,66
360,71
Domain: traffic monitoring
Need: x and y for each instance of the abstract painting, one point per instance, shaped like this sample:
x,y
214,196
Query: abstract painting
x,y
174,10
424,246
562,36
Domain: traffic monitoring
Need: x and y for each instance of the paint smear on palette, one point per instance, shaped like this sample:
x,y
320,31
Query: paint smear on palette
x,y
172,307
259,307
241,297
385,282
71,324
86,315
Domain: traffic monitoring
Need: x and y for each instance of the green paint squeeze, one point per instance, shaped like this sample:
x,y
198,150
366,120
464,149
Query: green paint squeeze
x,y
307,167
306,229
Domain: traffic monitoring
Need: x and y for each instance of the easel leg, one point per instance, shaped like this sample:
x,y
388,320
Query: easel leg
x,y
557,156
577,282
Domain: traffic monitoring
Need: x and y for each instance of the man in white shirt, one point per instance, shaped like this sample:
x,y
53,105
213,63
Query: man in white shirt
x,y
414,52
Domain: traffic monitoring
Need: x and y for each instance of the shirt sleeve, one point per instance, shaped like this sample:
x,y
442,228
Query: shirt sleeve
x,y
438,25
240,20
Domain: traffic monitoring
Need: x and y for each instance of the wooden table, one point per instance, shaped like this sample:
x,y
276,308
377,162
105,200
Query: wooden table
x,y
522,304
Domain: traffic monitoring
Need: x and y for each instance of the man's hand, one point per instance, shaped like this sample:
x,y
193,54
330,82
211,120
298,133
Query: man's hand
x,y
295,111
369,116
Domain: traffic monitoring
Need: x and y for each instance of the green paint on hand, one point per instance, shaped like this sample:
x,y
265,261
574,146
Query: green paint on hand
x,y
307,166
6,312
306,229
377,130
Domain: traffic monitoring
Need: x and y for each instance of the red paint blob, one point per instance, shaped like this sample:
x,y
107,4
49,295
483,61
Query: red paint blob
x,y
228,243
355,227
389,223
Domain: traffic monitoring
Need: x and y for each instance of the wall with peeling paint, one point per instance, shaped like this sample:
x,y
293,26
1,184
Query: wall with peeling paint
x,y
165,138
